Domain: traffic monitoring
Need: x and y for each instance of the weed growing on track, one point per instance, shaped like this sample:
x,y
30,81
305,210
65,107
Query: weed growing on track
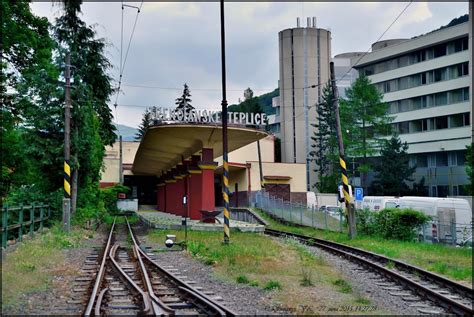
x,y
343,286
455,263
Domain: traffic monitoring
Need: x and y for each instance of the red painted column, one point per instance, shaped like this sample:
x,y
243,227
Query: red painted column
x,y
195,188
179,189
207,166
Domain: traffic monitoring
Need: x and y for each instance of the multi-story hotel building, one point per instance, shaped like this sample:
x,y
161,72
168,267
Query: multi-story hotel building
x,y
426,82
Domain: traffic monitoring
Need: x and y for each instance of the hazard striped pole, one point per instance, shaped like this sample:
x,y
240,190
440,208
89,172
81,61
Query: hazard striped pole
x,y
225,177
67,149
345,181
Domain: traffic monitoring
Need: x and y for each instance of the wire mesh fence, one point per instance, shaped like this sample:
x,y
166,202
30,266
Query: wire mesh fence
x,y
299,213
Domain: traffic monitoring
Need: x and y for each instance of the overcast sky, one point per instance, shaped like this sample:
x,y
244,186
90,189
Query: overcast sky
x,y
177,42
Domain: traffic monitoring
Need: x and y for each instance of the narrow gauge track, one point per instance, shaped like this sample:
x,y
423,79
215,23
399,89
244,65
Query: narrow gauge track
x,y
129,282
455,298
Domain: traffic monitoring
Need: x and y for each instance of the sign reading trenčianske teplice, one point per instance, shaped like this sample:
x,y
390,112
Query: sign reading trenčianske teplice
x,y
206,116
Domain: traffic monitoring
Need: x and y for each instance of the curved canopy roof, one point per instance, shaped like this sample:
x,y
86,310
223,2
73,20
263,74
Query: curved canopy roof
x,y
164,146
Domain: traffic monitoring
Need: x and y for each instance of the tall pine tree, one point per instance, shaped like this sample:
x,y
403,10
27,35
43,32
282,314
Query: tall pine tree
x,y
144,125
364,120
325,150
392,169
183,102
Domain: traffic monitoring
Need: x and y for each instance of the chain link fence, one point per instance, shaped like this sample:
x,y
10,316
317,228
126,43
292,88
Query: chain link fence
x,y
436,231
298,213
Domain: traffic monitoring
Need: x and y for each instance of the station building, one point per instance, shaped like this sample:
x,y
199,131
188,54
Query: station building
x,y
178,160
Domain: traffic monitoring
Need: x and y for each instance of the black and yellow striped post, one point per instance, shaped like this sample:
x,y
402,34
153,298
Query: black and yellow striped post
x,y
345,181
225,159
67,179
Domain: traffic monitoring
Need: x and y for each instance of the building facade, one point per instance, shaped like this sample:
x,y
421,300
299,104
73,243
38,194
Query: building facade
x,y
427,83
304,56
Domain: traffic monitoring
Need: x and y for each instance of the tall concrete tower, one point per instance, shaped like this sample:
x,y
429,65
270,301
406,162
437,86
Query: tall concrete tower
x,y
305,53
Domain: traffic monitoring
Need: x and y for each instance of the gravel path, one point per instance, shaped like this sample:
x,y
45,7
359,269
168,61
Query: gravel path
x,y
375,287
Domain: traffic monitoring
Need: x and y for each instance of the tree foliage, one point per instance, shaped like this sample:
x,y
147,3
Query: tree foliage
x,y
183,102
147,121
364,120
469,186
325,147
392,170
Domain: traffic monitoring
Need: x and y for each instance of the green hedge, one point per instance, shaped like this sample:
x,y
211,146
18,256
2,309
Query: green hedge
x,y
391,223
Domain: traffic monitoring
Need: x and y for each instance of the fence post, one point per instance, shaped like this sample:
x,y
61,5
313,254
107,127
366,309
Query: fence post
x,y
301,214
20,221
32,219
453,232
312,216
326,220
41,218
4,226
340,221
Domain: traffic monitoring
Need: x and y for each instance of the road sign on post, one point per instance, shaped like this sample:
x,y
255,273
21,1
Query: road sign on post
x,y
359,194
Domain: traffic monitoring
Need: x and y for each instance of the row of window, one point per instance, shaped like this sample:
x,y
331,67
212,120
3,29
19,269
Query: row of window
x,y
430,124
439,159
432,100
424,78
446,190
418,56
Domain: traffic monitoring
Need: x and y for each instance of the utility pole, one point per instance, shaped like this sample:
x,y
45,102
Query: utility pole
x,y
225,159
350,212
67,148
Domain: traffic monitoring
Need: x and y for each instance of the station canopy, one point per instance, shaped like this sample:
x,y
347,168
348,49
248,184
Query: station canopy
x,y
164,146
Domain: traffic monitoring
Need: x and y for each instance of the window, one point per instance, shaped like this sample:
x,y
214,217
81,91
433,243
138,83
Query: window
x,y
441,122
443,190
404,127
452,158
404,105
465,93
416,126
439,74
439,50
441,159
456,120
441,98
393,107
456,95
467,119
455,190
421,160
403,83
461,157
465,68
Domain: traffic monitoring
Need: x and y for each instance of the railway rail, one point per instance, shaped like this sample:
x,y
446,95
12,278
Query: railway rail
x,y
455,298
129,282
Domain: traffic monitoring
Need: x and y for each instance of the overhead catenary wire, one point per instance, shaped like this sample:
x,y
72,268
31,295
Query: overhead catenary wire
x,y
122,65
379,38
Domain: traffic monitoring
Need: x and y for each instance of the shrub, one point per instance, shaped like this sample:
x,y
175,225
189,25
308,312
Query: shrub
x,y
272,285
344,286
242,279
253,283
109,196
400,224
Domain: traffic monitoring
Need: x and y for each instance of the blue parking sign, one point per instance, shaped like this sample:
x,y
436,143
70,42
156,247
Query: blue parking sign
x,y
359,194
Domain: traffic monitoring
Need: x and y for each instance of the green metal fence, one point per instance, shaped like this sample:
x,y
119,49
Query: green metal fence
x,y
17,221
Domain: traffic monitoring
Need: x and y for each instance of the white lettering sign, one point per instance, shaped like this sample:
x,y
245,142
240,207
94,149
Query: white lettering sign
x,y
206,116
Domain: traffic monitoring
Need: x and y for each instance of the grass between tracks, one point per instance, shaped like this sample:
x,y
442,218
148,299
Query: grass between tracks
x,y
294,278
454,263
33,264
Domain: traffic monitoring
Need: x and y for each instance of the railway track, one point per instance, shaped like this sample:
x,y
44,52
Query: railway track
x,y
453,297
129,282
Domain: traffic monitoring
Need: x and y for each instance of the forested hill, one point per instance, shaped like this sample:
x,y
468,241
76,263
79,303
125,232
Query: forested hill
x,y
264,101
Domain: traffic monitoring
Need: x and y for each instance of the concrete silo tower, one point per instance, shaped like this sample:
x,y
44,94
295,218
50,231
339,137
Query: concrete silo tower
x,y
304,55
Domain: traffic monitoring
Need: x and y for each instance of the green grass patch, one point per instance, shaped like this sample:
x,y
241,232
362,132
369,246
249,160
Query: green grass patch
x,y
343,286
32,265
454,263
272,285
242,279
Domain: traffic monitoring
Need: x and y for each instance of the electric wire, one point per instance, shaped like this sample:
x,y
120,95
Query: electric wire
x,y
122,65
380,37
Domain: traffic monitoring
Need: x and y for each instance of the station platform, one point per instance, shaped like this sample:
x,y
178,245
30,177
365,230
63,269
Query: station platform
x,y
162,220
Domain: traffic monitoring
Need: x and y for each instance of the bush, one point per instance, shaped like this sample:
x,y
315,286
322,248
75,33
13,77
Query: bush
x,y
272,285
109,196
391,223
242,279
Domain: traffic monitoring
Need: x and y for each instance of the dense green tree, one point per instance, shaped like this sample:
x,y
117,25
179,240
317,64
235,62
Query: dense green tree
x,y
469,186
183,102
26,50
392,170
147,121
92,125
364,120
325,153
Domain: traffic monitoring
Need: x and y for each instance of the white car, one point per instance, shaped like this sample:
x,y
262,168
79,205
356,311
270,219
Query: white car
x,y
331,210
